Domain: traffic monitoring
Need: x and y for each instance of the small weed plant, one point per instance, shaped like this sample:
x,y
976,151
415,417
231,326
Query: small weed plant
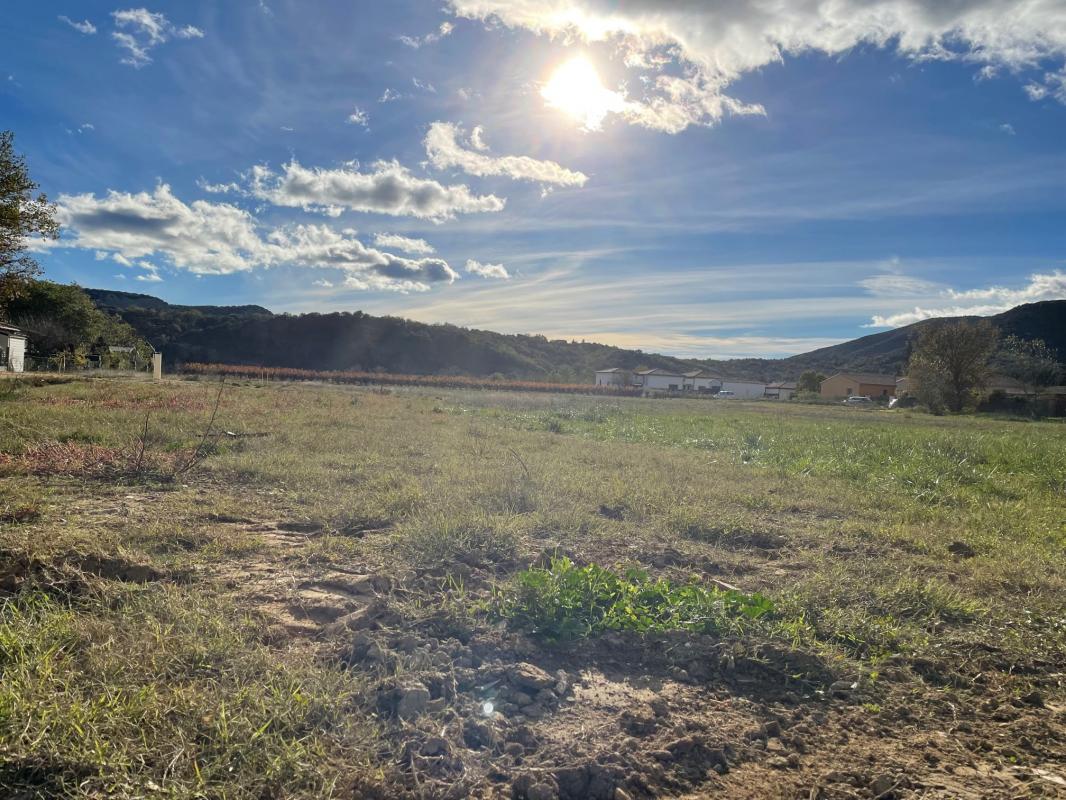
x,y
565,601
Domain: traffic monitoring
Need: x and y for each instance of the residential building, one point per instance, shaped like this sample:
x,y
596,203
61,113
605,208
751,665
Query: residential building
x,y
848,384
12,349
663,380
743,389
700,380
780,391
615,376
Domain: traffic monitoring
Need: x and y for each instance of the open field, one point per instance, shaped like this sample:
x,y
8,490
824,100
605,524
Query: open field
x,y
335,598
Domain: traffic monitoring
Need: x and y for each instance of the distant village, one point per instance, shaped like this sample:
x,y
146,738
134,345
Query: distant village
x,y
840,386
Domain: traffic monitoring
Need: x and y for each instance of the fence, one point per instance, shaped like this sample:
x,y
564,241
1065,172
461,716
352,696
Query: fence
x,y
65,362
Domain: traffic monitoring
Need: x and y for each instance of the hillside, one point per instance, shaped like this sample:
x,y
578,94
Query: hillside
x,y
253,335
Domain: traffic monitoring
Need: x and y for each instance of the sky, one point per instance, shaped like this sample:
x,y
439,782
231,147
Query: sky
x,y
701,178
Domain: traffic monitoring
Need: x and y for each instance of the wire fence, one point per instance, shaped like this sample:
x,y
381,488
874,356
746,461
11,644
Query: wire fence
x,y
66,363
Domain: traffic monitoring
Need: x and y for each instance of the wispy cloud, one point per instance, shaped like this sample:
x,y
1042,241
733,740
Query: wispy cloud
x,y
416,42
141,31
444,151
498,271
359,117
405,244
85,26
980,302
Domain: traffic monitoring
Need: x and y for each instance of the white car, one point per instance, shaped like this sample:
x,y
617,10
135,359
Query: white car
x,y
858,400
725,394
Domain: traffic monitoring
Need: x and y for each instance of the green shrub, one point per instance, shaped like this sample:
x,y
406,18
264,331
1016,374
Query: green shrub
x,y
564,601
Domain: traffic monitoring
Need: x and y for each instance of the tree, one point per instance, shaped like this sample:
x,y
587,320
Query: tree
x,y
1029,361
950,363
63,319
21,216
810,381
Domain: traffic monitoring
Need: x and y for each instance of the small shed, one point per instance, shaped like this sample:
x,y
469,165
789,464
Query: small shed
x,y
12,348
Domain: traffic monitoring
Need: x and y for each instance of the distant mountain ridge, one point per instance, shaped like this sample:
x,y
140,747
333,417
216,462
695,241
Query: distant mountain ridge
x,y
251,334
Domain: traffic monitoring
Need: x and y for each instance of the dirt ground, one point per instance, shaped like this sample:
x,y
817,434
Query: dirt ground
x,y
481,712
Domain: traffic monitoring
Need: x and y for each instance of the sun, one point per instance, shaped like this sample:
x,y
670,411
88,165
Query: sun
x,y
575,89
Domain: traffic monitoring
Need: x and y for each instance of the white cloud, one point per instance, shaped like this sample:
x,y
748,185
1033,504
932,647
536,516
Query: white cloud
x,y
487,270
424,86
85,27
981,302
444,151
389,189
389,95
143,30
896,285
323,283
150,274
359,117
216,238
219,188
1007,128
396,242
691,51
445,29
476,141
1054,85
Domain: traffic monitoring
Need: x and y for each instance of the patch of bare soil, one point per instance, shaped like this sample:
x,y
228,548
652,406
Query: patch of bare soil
x,y
469,709
67,573
297,597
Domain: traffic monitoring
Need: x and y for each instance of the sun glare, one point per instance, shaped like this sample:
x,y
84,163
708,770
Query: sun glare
x,y
575,89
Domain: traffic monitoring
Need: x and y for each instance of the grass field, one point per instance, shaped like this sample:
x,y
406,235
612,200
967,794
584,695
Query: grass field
x,y
343,592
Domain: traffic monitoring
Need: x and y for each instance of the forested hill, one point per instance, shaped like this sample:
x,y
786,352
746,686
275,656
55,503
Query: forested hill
x,y
254,335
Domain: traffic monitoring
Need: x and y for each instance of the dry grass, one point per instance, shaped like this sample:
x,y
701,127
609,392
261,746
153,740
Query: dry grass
x,y
846,520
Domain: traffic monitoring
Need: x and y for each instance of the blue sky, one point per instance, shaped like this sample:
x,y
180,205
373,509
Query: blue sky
x,y
704,179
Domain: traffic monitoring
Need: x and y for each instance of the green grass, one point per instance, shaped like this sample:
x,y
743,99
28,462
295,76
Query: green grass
x,y
157,688
565,601
840,518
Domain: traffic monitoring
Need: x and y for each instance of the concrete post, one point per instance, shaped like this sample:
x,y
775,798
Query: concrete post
x,y
157,366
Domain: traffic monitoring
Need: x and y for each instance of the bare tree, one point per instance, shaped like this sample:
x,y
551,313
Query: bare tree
x,y
950,363
1029,361
22,215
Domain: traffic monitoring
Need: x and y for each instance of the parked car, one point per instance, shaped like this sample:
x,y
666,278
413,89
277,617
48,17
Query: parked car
x,y
858,400
725,394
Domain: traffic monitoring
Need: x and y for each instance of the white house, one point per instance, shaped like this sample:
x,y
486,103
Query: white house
x,y
780,391
615,376
743,389
663,380
12,348
702,381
